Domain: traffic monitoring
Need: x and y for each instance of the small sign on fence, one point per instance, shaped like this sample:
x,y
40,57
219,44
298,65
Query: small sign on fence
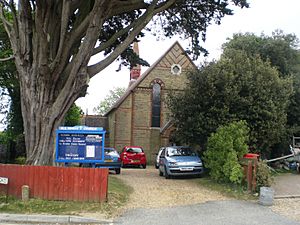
x,y
3,180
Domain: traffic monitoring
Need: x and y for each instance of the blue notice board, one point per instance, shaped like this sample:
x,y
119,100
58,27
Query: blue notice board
x,y
80,144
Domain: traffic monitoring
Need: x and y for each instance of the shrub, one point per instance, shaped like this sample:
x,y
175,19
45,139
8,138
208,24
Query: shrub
x,y
224,149
20,160
264,176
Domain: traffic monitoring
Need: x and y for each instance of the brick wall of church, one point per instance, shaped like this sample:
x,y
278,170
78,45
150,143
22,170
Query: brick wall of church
x,y
122,124
130,123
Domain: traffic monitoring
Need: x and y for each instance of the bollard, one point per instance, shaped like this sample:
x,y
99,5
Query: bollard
x,y
266,196
25,192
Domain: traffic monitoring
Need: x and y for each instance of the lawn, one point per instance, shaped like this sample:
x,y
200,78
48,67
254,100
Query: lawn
x,y
118,193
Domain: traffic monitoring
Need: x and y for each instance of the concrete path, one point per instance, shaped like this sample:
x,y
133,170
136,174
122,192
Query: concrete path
x,y
287,185
6,218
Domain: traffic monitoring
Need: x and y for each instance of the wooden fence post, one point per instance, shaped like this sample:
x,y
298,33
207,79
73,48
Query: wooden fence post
x,y
255,161
249,175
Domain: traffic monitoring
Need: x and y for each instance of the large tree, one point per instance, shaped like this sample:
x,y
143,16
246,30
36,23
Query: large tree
x,y
237,87
282,51
53,42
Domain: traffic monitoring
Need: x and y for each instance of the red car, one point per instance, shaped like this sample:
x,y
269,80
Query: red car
x,y
133,156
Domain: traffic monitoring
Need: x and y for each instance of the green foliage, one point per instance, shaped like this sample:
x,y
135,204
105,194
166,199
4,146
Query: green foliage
x,y
109,100
20,160
264,176
237,87
224,149
281,51
10,104
4,139
72,117
9,88
293,119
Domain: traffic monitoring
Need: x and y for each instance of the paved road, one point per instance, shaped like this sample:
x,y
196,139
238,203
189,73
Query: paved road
x,y
230,212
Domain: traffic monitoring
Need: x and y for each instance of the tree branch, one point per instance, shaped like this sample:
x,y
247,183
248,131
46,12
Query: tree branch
x,y
74,36
12,29
7,59
141,23
128,6
76,70
121,7
8,26
25,30
74,5
4,3
106,44
163,6
63,29
13,11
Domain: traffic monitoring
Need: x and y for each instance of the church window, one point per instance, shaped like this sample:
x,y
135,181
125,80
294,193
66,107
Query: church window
x,y
156,89
176,69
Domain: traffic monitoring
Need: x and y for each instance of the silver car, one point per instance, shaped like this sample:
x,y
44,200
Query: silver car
x,y
156,162
179,161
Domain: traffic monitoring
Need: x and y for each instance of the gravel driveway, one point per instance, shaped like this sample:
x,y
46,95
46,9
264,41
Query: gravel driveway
x,y
152,191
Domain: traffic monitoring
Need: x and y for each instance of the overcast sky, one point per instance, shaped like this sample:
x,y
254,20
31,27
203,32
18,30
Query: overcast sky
x,y
263,16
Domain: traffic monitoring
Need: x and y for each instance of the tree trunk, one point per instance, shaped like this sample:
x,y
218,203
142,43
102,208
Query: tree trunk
x,y
52,73
42,113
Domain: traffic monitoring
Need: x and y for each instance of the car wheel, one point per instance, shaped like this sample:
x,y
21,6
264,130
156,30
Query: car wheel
x,y
160,173
156,166
118,170
166,175
144,166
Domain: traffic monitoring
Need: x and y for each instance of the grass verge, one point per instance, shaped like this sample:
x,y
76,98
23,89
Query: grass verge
x,y
230,190
118,193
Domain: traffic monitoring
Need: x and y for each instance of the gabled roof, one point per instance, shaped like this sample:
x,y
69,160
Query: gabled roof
x,y
143,76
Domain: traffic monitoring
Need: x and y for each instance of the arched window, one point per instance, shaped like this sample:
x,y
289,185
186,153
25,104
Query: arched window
x,y
156,89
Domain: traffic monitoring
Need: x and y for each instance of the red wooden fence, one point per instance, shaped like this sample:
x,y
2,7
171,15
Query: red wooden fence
x,y
56,183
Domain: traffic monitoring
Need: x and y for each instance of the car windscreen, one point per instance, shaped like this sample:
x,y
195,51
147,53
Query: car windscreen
x,y
111,152
180,152
134,150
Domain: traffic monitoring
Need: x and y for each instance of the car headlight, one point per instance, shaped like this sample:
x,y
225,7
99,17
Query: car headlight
x,y
173,163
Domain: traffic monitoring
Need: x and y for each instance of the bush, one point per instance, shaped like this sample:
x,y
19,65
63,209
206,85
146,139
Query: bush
x,y
224,149
20,160
264,176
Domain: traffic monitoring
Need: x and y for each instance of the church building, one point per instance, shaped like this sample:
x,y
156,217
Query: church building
x,y
141,116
